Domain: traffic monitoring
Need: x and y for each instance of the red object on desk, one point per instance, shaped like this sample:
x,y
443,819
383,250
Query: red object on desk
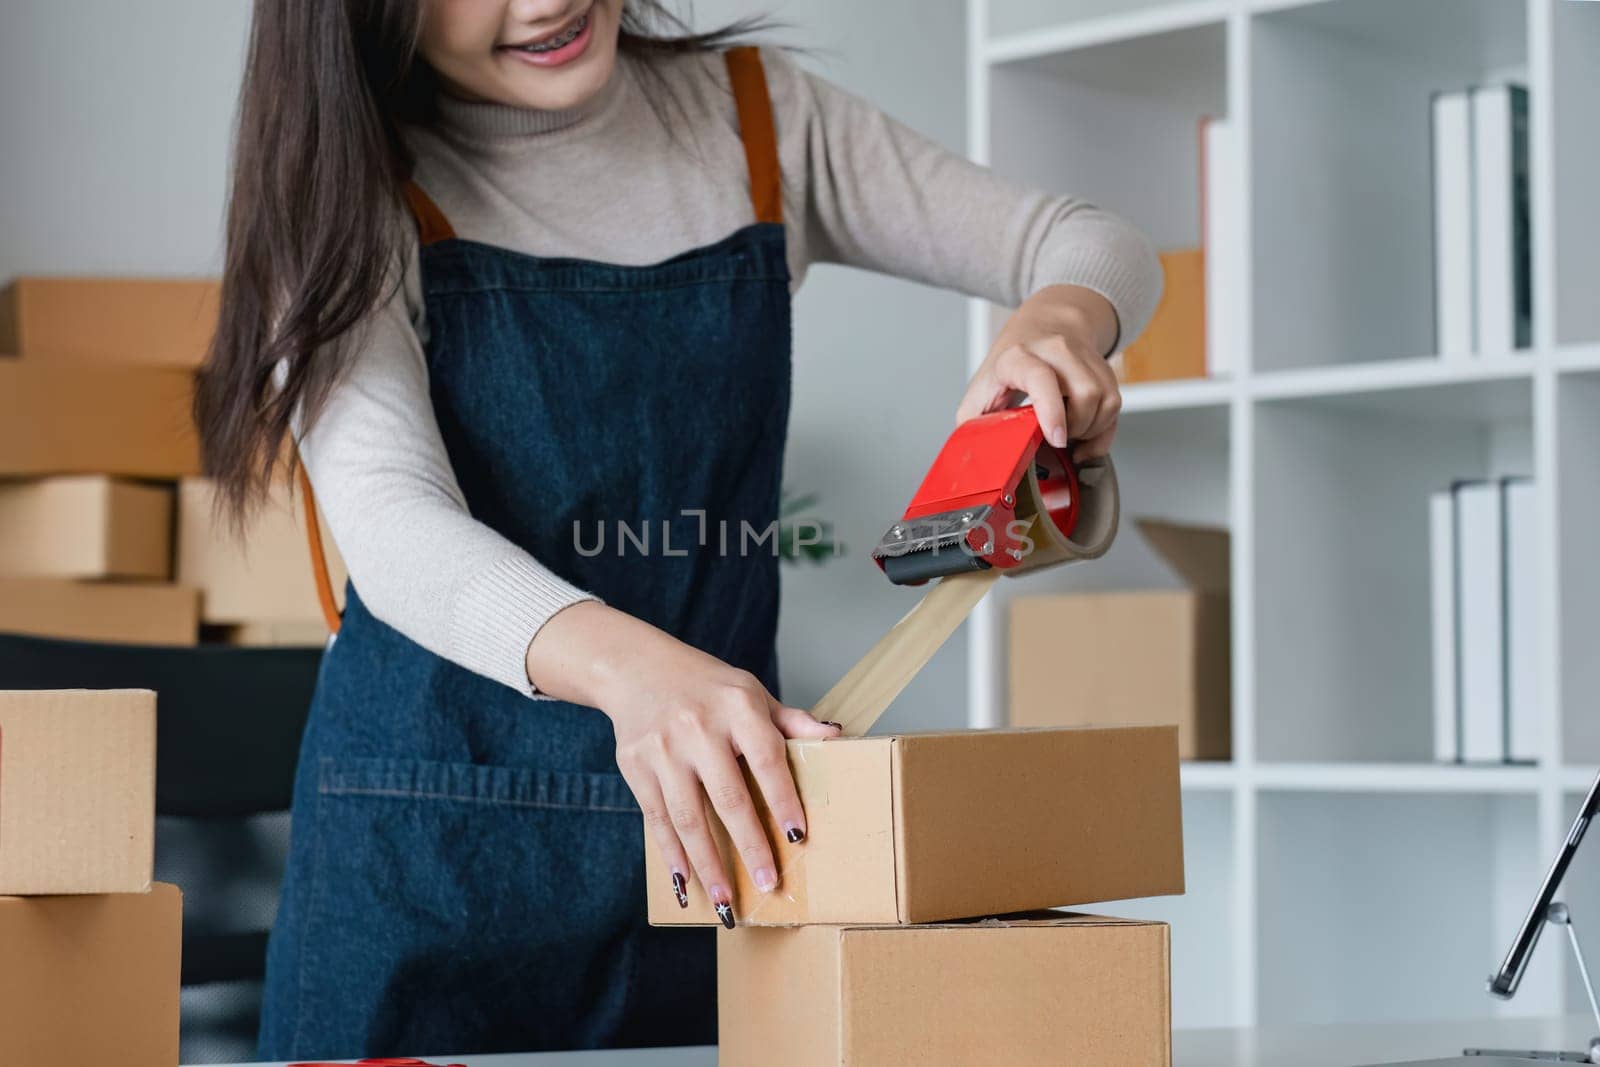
x,y
381,1063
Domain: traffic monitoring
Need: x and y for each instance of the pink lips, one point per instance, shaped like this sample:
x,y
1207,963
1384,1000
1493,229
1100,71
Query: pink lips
x,y
558,56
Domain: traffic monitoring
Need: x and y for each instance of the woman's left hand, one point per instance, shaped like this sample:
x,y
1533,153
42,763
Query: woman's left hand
x,y
1053,350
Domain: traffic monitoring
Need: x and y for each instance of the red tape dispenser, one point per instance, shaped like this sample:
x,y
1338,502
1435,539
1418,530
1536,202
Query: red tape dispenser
x,y
1000,496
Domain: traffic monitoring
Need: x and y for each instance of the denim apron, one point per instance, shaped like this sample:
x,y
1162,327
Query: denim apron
x,y
466,866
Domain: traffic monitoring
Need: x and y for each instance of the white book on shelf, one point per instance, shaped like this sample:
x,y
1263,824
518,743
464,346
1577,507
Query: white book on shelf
x,y
1499,196
1452,225
1522,619
1442,570
1480,653
1222,200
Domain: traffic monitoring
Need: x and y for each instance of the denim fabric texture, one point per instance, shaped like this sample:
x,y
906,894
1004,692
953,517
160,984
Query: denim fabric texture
x,y
466,866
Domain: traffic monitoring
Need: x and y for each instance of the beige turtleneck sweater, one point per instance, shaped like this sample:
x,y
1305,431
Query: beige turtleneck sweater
x,y
612,181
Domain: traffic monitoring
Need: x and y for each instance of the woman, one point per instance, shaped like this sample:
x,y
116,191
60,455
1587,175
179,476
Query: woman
x,y
515,275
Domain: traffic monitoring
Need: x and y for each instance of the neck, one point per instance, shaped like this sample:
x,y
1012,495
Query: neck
x,y
486,119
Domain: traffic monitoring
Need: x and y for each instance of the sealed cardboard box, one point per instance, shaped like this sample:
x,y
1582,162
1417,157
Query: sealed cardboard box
x,y
1174,344
85,526
1134,656
66,418
139,613
77,791
153,321
266,578
91,981
1044,989
915,828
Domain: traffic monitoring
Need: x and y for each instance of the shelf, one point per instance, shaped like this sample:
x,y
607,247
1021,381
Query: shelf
x,y
1208,777
1577,779
1384,375
1394,778
1400,904
1332,836
1577,591
1176,395
1019,34
1343,660
1144,97
1575,159
1577,358
1342,203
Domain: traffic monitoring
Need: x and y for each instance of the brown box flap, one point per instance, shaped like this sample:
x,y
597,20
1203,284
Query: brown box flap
x,y
1198,553
1004,820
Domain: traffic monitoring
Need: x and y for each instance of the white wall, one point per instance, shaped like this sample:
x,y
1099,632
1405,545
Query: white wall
x,y
114,127
879,363
115,120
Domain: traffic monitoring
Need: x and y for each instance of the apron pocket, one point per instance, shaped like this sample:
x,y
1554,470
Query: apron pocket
x,y
454,901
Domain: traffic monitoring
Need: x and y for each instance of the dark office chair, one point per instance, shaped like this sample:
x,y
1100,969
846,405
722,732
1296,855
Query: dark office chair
x,y
228,732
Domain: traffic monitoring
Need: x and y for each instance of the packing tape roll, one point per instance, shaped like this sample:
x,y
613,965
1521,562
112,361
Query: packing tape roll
x,y
865,692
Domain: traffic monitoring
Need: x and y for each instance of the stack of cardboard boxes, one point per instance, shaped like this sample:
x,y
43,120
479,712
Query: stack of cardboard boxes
x,y
107,532
89,972
908,925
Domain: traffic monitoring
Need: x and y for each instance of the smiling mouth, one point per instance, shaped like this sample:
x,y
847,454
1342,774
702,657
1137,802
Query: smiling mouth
x,y
560,40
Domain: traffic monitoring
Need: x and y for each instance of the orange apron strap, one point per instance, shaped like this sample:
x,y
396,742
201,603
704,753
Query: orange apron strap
x,y
319,558
756,130
431,224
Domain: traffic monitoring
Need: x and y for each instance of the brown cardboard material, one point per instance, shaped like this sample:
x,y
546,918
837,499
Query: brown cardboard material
x,y
77,792
91,980
1046,989
85,526
1174,344
151,321
265,579
914,828
139,613
66,418
1134,656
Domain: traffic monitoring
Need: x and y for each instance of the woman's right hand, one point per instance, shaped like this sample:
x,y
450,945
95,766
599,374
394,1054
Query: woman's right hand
x,y
682,719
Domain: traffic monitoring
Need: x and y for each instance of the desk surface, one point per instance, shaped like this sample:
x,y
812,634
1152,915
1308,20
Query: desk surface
x,y
1301,1046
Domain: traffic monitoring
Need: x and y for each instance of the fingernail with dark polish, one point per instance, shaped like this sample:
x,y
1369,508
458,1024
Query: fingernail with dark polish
x,y
794,834
724,909
678,888
835,725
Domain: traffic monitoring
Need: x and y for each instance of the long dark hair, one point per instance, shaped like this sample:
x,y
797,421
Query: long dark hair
x,y
318,167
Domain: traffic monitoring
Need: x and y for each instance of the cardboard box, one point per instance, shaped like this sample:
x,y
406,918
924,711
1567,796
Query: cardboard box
x,y
267,578
151,321
915,828
91,981
1174,344
96,419
1051,989
1137,656
77,791
140,613
85,526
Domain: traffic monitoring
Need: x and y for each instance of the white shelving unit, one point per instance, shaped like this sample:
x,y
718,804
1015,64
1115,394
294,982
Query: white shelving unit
x,y
1334,872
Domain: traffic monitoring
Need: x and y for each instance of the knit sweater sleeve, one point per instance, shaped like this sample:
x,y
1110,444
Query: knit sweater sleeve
x,y
869,192
419,560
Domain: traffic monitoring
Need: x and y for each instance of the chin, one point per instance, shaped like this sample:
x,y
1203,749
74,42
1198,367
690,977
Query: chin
x,y
538,89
